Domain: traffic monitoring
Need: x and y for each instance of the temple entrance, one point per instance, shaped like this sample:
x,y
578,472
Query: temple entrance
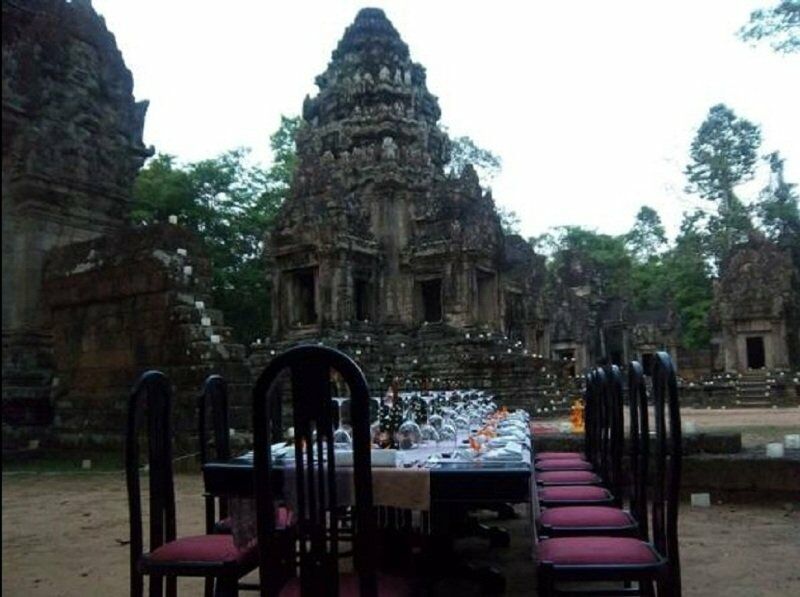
x,y
303,300
756,358
566,359
429,297
363,300
515,315
487,297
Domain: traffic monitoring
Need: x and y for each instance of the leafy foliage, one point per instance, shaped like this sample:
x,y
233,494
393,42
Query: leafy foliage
x,y
463,151
779,24
778,208
509,220
603,257
647,237
723,155
688,280
230,204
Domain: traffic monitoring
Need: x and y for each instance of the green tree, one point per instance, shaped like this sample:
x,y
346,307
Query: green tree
x,y
647,237
464,150
778,208
509,220
230,204
723,155
779,24
603,259
687,277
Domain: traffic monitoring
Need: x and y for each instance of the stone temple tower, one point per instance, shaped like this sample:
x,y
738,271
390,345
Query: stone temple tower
x,y
377,244
374,231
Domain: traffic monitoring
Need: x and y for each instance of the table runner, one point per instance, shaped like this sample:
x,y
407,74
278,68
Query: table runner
x,y
404,488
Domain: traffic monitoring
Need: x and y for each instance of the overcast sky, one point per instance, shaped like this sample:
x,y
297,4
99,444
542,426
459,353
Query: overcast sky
x,y
591,105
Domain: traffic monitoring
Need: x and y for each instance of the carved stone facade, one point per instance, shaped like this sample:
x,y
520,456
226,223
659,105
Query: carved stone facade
x,y
589,327
72,144
122,304
376,239
757,308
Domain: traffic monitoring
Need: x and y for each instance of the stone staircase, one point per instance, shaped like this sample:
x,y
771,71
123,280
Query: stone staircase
x,y
27,381
752,390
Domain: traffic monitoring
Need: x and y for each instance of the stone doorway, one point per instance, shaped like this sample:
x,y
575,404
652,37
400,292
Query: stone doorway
x,y
567,359
756,356
430,300
303,299
363,300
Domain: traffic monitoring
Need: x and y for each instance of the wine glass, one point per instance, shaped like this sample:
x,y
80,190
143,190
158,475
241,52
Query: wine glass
x,y
341,437
375,426
408,435
428,431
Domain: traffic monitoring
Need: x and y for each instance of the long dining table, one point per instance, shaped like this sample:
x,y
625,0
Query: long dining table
x,y
454,486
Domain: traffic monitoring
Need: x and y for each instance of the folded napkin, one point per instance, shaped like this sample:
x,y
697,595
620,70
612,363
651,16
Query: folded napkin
x,y
510,452
516,434
280,450
379,458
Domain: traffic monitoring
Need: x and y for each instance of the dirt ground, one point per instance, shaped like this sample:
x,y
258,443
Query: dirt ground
x,y
758,426
64,535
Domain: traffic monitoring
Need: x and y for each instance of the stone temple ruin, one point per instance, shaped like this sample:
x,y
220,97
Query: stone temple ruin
x,y
757,309
88,301
378,251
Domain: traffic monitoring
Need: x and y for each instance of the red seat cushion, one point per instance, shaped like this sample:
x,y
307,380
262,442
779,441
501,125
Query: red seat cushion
x,y
202,549
599,551
562,464
586,516
574,493
388,586
567,478
555,455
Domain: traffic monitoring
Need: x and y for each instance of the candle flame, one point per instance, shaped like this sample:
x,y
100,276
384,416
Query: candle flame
x,y
576,416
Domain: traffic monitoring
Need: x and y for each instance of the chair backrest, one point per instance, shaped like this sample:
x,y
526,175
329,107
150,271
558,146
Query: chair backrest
x,y
639,447
616,433
315,475
667,460
152,394
590,419
214,397
602,398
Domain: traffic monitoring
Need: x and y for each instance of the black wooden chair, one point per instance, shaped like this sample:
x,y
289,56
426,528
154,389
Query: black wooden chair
x,y
552,495
595,471
214,397
625,559
541,457
315,477
578,520
210,556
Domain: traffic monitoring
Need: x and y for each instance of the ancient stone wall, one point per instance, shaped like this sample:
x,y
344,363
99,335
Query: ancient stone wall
x,y
125,303
445,360
72,144
757,307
